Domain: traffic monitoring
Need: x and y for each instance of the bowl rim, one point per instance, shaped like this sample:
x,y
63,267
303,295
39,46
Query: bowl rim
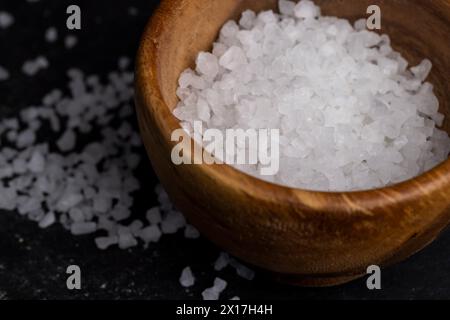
x,y
148,87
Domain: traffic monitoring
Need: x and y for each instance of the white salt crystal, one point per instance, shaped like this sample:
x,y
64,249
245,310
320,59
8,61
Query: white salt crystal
x,y
126,241
422,70
47,221
51,34
214,292
286,7
81,228
26,138
120,212
31,67
187,279
150,234
19,166
247,21
207,64
222,261
102,204
306,9
4,74
172,222
104,243
6,19
67,141
68,200
360,24
136,227
36,163
153,215
76,214
70,41
233,58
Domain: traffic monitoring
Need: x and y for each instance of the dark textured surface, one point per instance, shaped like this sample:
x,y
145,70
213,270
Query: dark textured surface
x,y
33,261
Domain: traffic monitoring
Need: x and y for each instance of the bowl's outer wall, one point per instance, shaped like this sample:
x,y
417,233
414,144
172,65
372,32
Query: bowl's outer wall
x,y
309,238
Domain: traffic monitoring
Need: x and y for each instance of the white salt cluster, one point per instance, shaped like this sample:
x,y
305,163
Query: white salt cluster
x,y
31,67
214,292
351,114
83,180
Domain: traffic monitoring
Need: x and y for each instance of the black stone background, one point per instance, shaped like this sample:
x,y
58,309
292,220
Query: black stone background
x,y
33,261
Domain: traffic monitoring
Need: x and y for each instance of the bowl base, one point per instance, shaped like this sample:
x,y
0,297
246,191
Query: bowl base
x,y
318,281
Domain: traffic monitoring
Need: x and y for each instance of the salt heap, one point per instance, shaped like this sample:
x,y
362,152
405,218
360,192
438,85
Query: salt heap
x,y
351,114
81,172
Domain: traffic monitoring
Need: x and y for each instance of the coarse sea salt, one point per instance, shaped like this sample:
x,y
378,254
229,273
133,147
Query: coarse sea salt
x,y
4,74
31,67
351,115
6,19
86,186
187,279
214,292
51,34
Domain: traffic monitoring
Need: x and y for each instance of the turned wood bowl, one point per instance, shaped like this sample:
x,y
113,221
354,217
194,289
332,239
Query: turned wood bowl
x,y
302,237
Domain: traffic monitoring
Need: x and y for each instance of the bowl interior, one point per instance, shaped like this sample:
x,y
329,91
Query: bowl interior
x,y
418,30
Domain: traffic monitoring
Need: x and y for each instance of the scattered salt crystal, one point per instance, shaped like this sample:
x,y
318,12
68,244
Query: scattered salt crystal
x,y
70,41
214,292
4,74
31,67
222,261
187,278
51,34
6,19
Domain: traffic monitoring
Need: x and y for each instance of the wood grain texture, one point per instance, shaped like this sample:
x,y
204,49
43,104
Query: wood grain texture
x,y
303,237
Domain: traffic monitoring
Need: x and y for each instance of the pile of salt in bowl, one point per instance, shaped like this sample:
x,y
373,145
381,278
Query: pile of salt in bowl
x,y
350,112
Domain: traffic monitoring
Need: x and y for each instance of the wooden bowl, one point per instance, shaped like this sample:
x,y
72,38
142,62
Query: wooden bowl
x,y
303,237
